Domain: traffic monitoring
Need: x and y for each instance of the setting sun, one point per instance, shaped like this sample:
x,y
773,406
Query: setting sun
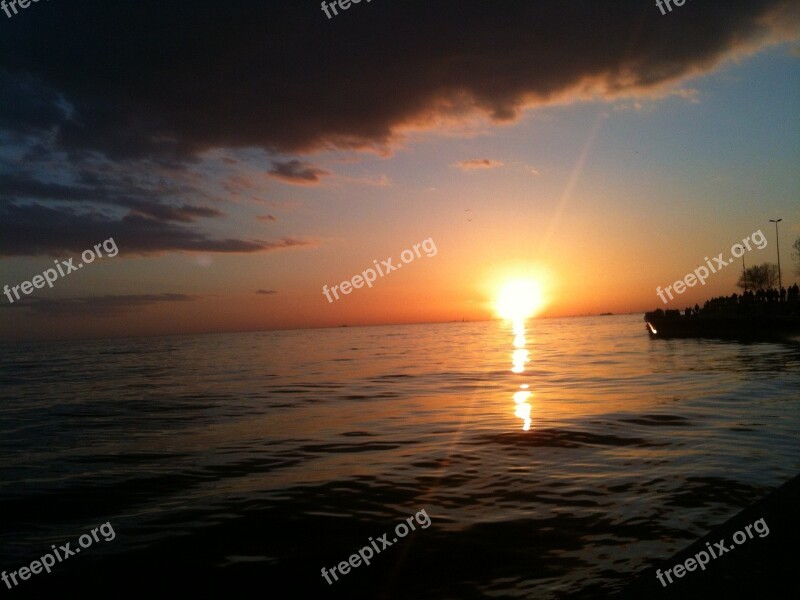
x,y
519,299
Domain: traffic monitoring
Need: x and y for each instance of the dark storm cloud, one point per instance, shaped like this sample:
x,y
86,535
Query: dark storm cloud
x,y
94,306
114,100
170,79
297,172
31,230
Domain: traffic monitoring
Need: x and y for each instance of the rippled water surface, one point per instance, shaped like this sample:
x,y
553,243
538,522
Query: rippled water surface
x,y
263,457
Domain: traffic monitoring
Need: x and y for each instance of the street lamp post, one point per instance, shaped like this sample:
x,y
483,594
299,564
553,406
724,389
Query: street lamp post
x,y
778,248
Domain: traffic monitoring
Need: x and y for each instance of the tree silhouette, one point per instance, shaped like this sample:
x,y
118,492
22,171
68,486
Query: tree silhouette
x,y
759,277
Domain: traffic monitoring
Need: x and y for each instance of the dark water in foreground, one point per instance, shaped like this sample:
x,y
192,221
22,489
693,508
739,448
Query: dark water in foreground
x,y
247,462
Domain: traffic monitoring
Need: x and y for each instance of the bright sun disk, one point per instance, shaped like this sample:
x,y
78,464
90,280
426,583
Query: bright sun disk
x,y
519,299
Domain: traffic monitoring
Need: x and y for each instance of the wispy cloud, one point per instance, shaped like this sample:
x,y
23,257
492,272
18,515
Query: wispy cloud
x,y
110,189
382,181
478,163
34,230
297,172
94,306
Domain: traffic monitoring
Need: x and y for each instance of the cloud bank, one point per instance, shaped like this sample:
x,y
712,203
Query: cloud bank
x,y
102,120
142,78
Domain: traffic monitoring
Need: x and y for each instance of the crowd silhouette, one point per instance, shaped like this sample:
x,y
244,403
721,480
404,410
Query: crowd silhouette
x,y
769,302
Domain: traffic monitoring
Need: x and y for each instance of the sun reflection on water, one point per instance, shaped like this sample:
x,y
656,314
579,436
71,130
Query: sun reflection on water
x,y
519,358
518,300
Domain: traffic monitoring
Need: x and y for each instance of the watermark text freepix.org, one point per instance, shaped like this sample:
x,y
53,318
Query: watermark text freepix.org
x,y
365,554
12,4
369,275
702,273
702,558
50,275
343,4
61,553
660,4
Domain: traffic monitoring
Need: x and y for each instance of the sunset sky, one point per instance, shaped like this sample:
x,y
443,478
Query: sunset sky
x,y
244,156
